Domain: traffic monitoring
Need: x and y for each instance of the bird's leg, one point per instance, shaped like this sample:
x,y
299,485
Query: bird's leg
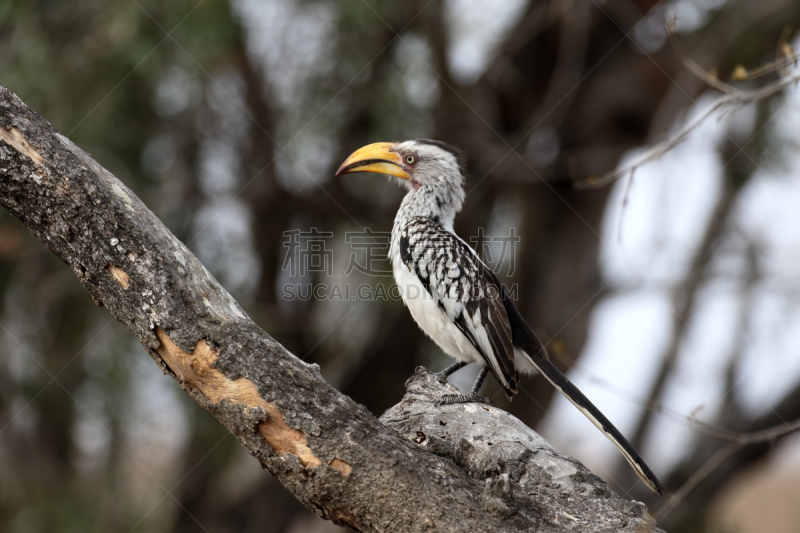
x,y
444,374
473,396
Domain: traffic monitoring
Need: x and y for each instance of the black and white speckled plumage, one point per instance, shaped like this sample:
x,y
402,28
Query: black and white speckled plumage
x,y
453,296
463,288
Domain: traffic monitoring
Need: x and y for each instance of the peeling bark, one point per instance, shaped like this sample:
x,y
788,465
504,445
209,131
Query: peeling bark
x,y
456,468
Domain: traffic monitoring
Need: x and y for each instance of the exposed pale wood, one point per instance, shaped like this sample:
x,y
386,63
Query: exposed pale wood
x,y
196,370
15,138
341,466
122,278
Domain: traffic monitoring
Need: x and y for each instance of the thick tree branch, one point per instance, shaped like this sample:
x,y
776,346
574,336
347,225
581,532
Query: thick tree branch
x,y
459,468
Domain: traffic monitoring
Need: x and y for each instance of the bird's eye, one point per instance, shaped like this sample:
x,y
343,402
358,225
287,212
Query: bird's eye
x,y
410,159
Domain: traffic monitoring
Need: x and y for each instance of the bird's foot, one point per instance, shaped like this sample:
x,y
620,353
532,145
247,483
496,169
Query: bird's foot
x,y
450,399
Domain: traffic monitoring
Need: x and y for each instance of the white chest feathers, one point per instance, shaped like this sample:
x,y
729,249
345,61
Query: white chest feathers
x,y
434,315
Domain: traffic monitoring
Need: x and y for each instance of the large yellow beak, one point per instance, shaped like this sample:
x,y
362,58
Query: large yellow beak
x,y
376,157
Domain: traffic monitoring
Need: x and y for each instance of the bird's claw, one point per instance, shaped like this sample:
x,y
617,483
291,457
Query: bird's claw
x,y
450,399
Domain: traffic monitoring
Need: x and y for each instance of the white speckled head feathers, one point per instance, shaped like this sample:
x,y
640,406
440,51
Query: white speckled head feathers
x,y
437,180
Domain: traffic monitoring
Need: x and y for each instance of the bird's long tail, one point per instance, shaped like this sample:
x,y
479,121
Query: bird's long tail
x,y
579,400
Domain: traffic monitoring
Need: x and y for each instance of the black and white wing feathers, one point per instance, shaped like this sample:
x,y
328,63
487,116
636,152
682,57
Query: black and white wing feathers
x,y
464,289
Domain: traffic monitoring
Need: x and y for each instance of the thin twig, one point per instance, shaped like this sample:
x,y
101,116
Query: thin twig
x,y
625,198
655,152
738,441
732,97
709,466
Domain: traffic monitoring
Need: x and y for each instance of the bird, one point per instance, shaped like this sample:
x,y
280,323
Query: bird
x,y
452,295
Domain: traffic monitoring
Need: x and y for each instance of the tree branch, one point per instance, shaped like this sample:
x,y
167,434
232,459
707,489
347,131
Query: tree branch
x,y
731,98
458,468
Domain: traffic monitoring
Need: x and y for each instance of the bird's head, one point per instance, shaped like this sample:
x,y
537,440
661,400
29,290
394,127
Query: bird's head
x,y
429,166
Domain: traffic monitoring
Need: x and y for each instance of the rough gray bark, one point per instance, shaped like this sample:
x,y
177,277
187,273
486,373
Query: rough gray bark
x,y
422,469
521,473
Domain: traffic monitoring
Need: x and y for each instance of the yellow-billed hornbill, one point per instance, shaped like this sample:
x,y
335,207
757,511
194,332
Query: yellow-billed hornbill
x,y
454,297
